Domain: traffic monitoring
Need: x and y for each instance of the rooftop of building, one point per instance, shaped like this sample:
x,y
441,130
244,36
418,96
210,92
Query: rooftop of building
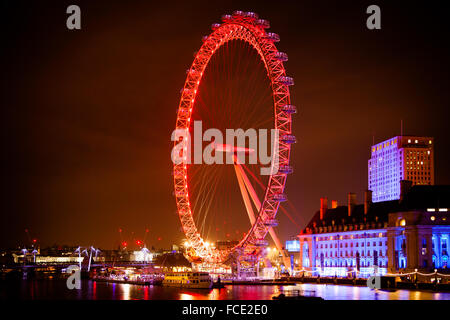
x,y
404,141
419,197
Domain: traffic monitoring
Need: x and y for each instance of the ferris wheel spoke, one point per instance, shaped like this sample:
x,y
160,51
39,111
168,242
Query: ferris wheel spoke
x,y
245,197
246,182
248,186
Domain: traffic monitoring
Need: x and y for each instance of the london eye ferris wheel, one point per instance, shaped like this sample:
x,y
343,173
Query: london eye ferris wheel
x,y
237,80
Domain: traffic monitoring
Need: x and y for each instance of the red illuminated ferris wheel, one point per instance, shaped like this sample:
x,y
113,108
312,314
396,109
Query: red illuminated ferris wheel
x,y
246,27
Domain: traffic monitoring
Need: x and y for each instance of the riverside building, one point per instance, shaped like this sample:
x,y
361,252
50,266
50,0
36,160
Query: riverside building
x,y
395,236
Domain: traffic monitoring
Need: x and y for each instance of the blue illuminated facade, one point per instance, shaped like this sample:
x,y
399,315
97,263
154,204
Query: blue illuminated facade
x,y
346,253
386,237
400,158
441,242
419,240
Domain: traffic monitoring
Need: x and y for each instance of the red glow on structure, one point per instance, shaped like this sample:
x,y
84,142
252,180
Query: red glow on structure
x,y
138,242
124,244
34,240
239,26
159,238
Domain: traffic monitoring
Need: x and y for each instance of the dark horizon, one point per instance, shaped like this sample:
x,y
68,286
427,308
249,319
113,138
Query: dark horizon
x,y
87,115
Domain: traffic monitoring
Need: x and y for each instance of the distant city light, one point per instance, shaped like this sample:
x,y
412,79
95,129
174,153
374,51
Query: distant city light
x,y
293,246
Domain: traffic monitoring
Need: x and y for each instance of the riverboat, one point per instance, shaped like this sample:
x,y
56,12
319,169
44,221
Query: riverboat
x,y
193,280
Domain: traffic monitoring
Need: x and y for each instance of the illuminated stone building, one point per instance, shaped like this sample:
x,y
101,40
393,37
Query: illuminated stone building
x,y
396,236
400,158
418,234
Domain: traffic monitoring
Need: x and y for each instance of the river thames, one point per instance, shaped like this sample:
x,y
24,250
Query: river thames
x,y
55,289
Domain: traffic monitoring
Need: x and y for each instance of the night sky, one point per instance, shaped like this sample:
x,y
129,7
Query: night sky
x,y
87,115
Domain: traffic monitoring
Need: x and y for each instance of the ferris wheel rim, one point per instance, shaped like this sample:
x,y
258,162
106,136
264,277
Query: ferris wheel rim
x,y
241,26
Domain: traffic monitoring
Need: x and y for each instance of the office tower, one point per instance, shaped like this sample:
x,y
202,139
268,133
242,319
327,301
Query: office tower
x,y
400,158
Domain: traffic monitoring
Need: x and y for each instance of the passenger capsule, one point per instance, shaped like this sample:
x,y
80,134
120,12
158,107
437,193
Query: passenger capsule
x,y
281,56
226,17
262,23
185,90
191,71
285,169
271,223
288,81
273,37
179,194
251,15
279,197
289,108
288,138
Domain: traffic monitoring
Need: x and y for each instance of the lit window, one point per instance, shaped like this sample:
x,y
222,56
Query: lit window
x,y
402,222
416,141
429,141
409,140
432,218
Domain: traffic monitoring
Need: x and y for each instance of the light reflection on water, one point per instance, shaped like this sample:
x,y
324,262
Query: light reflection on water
x,y
56,289
126,291
340,292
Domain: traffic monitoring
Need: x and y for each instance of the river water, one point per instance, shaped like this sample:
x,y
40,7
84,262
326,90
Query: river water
x,y
56,289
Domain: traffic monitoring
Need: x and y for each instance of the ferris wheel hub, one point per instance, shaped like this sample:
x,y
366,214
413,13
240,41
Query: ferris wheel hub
x,y
231,149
